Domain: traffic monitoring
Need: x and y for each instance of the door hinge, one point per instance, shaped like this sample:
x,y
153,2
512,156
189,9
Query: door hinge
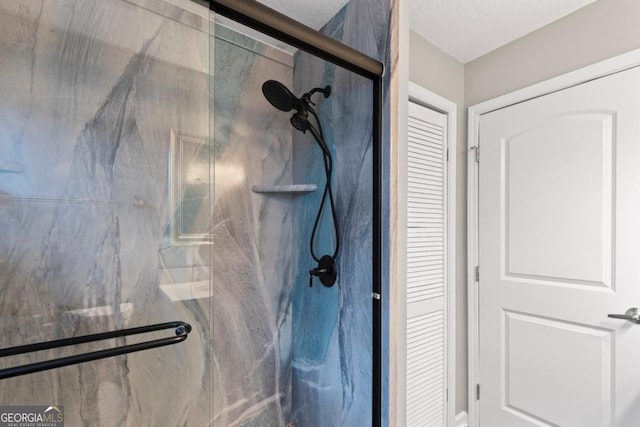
x,y
375,295
447,395
477,273
477,391
476,149
447,154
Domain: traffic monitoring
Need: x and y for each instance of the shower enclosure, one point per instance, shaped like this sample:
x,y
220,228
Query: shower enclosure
x,y
145,179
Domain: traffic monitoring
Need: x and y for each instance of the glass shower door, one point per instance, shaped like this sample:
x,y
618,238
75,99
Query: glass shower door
x,y
288,350
105,195
144,178
252,234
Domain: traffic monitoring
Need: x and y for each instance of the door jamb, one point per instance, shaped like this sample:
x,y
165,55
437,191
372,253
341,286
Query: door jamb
x,y
601,69
431,100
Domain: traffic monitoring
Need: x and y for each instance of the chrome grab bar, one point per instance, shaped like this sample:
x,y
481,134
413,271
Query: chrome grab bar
x,y
182,330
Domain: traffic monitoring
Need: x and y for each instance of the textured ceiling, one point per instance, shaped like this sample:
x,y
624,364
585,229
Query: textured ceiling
x,y
312,13
467,29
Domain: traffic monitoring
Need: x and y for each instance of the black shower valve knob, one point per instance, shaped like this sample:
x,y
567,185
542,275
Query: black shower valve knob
x,y
315,272
326,271
318,271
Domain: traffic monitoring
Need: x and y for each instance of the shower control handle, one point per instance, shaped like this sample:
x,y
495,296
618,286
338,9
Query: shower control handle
x,y
326,271
315,272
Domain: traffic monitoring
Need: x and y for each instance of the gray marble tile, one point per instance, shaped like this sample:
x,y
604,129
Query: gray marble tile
x,y
252,240
332,342
87,112
91,95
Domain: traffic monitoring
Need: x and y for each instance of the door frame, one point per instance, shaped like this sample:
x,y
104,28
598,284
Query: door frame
x,y
601,69
433,101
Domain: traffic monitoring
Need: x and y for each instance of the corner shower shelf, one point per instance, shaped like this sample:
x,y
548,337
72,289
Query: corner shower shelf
x,y
285,188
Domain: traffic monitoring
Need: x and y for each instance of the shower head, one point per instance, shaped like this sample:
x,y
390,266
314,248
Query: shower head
x,y
300,120
279,96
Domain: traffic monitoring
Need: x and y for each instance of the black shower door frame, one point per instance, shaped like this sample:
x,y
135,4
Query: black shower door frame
x,y
274,24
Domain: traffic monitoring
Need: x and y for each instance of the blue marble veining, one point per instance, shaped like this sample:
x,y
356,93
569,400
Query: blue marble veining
x,y
89,112
332,350
121,118
88,109
252,261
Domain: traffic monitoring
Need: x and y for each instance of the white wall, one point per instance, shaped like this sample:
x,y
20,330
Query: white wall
x,y
433,69
599,31
399,112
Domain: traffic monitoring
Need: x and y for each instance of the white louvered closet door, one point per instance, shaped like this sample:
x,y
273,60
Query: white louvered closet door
x,y
426,268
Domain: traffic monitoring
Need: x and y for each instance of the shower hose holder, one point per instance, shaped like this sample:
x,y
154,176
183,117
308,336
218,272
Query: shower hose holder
x,y
326,271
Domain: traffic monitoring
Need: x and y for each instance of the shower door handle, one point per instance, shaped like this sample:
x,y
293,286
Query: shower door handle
x,y
182,330
632,315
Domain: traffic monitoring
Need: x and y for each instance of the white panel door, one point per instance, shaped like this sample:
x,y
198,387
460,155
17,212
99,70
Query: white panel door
x,y
559,250
426,268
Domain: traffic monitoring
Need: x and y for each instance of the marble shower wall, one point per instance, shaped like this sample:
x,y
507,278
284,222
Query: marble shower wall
x,y
332,327
89,96
252,234
109,218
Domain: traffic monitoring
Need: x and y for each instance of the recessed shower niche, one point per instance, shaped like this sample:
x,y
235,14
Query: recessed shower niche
x,y
145,179
190,186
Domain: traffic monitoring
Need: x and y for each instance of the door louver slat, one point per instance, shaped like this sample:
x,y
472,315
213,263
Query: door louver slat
x,y
426,346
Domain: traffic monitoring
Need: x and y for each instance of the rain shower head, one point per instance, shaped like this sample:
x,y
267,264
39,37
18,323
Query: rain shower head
x,y
279,96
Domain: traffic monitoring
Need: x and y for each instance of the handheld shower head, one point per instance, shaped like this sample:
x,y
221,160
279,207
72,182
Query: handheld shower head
x,y
279,96
300,120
